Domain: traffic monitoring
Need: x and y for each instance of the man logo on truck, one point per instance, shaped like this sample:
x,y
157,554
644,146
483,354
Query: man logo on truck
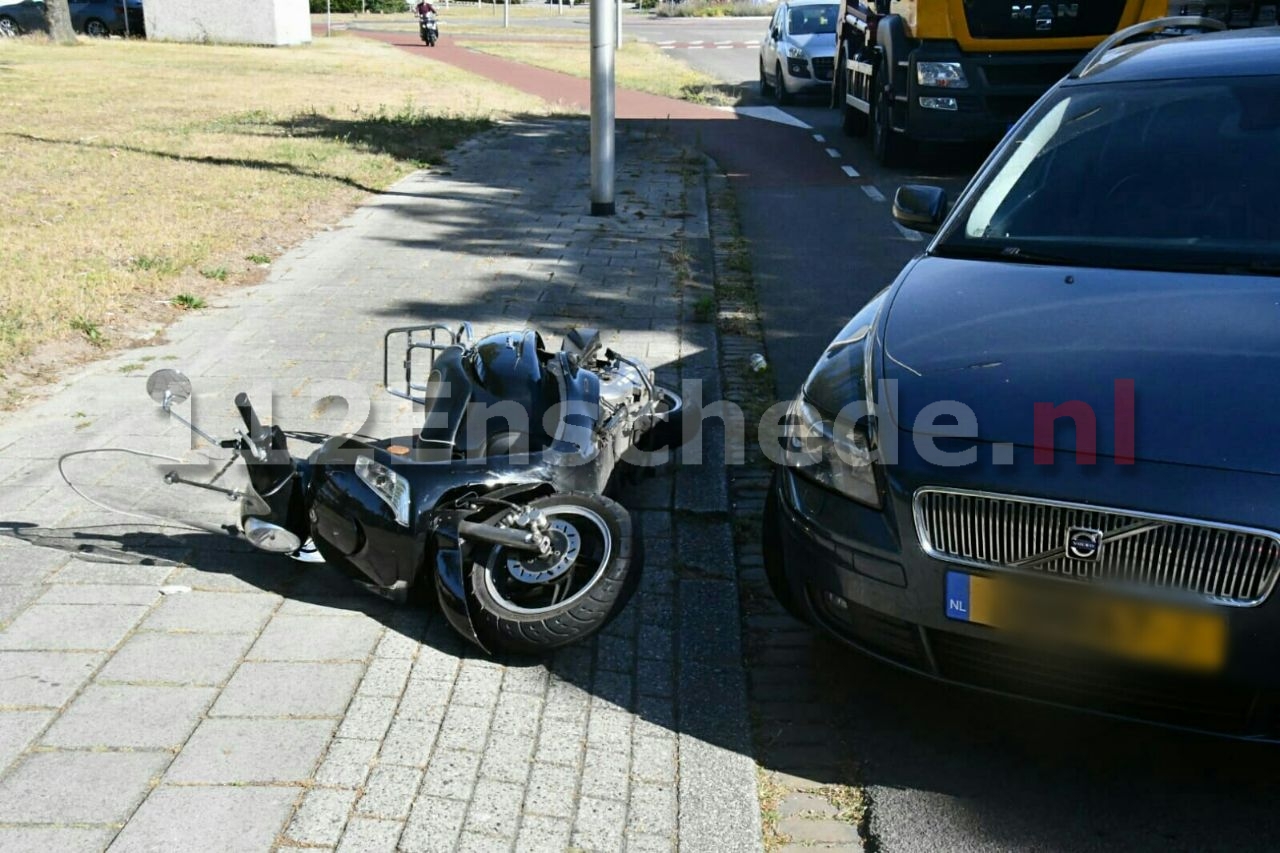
x,y
1044,15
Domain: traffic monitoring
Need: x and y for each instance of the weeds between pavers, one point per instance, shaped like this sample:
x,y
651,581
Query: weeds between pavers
x,y
738,316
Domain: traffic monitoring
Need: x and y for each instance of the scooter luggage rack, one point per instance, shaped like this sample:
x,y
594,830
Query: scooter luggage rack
x,y
441,337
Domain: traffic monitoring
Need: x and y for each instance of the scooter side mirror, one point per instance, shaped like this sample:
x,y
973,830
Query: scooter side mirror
x,y
168,387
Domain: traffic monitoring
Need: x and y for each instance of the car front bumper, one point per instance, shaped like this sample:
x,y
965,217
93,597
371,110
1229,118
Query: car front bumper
x,y
861,577
808,74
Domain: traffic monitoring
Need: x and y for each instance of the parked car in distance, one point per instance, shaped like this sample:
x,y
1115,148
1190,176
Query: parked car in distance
x,y
1040,462
26,16
101,18
797,54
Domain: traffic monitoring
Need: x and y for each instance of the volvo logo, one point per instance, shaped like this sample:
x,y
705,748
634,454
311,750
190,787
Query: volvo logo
x,y
1083,543
1045,14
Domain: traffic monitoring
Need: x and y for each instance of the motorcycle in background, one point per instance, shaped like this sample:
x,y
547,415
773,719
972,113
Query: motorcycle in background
x,y
428,29
505,518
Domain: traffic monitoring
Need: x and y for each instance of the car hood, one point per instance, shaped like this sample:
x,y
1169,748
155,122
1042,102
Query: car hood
x,y
1203,352
815,44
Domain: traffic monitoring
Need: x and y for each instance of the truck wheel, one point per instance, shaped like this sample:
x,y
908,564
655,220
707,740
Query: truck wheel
x,y
891,149
531,605
855,120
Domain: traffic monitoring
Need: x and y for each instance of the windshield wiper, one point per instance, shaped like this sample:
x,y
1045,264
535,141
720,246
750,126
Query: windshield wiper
x,y
1009,254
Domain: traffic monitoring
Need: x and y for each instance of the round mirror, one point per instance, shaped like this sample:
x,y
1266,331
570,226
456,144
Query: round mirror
x,y
168,387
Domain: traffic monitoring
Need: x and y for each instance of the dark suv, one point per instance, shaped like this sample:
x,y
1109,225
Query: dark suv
x,y
1042,462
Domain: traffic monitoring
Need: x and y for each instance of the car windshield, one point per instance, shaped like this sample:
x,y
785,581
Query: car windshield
x,y
1166,175
807,20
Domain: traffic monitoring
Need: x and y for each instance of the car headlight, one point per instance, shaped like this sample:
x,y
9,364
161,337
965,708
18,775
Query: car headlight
x,y
832,451
942,75
794,52
386,484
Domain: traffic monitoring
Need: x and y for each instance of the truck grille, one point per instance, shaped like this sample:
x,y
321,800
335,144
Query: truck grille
x,y
822,67
1223,564
1236,14
991,19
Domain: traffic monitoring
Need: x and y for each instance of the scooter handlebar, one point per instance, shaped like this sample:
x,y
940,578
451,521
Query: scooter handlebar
x,y
250,417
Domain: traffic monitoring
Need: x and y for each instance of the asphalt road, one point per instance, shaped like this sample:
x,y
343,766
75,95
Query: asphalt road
x,y
822,240
948,769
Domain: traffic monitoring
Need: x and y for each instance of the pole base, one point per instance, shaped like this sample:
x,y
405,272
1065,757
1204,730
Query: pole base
x,y
602,208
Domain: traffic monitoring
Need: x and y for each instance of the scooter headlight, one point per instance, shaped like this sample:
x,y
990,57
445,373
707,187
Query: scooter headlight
x,y
386,484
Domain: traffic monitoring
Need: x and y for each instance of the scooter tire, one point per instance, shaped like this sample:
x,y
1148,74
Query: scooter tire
x,y
503,627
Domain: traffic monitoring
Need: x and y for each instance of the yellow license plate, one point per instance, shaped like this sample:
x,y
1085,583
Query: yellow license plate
x,y
1147,632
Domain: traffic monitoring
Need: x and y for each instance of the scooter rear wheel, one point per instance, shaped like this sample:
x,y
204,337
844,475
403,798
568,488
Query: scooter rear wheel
x,y
530,605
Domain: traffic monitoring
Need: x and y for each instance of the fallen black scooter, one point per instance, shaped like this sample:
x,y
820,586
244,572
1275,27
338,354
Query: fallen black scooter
x,y
428,29
497,501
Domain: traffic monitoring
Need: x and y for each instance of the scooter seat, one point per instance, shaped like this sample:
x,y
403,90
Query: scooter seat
x,y
449,390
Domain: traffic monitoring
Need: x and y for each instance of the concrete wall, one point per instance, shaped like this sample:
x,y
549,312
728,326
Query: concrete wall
x,y
266,22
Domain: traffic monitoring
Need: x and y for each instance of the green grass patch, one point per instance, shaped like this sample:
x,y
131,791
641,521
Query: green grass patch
x,y
90,330
198,151
187,302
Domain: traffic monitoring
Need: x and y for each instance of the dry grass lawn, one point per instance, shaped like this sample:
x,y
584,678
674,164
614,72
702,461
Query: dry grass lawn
x,y
135,172
637,66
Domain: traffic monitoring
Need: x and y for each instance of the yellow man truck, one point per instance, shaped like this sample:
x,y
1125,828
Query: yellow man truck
x,y
961,70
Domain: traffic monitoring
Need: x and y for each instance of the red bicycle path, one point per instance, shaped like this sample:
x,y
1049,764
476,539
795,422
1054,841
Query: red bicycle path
x,y
749,150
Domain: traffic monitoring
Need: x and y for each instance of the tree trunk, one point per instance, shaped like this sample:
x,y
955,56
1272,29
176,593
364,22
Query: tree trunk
x,y
59,15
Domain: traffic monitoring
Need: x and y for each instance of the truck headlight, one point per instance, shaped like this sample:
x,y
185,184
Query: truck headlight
x,y
942,75
386,484
832,451
794,52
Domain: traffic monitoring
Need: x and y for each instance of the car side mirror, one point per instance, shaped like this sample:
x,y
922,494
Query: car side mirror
x,y
775,33
920,207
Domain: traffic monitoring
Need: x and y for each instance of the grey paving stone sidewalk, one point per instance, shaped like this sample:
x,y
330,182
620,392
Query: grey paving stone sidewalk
x,y
170,689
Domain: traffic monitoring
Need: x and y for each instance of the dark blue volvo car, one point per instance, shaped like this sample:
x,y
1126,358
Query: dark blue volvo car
x,y
1043,462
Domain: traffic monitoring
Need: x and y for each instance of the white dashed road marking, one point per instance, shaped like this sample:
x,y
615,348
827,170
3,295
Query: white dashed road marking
x,y
699,45
768,114
818,137
872,193
851,172
831,152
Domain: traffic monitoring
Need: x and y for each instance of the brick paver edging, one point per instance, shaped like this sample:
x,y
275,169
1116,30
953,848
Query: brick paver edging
x,y
792,729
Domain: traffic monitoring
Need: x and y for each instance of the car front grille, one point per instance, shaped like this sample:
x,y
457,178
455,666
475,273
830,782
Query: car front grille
x,y
1220,563
823,67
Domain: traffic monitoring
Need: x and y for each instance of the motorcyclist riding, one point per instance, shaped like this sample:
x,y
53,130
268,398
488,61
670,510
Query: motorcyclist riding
x,y
427,27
